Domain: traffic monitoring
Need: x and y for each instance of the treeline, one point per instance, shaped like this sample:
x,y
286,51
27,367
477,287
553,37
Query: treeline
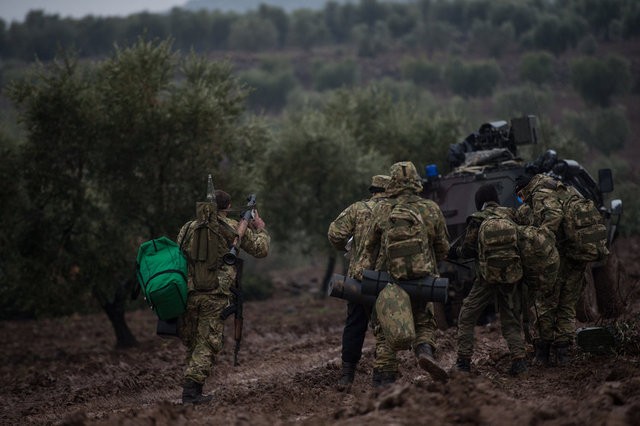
x,y
370,26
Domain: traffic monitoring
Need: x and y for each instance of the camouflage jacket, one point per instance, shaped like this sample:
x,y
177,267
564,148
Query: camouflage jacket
x,y
352,222
544,196
254,242
469,247
372,256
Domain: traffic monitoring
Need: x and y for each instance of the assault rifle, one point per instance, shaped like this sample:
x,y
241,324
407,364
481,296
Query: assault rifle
x,y
231,258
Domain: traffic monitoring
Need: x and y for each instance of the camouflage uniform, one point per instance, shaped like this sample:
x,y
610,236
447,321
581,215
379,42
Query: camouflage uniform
x,y
352,223
404,186
483,293
202,328
555,304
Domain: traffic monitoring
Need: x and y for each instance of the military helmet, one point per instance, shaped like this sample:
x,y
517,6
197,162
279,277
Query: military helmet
x,y
404,176
379,183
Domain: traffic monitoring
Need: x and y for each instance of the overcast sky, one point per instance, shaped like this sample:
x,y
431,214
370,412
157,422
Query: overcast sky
x,y
15,10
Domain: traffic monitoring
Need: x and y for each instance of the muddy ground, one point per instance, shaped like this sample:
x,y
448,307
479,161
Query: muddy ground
x,y
66,371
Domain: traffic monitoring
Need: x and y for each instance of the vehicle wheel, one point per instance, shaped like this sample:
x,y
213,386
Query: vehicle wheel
x,y
587,307
608,286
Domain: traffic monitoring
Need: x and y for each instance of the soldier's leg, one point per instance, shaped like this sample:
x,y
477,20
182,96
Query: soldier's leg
x,y
509,320
479,297
385,365
424,345
574,283
353,335
354,332
209,338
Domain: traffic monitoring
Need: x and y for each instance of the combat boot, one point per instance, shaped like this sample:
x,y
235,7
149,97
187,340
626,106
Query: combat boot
x,y
383,378
424,353
463,364
192,393
561,350
348,374
518,367
543,347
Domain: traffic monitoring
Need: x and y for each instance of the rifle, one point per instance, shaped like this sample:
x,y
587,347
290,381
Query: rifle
x,y
231,258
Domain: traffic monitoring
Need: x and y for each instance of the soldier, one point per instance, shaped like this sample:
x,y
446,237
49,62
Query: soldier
x,y
403,188
556,303
483,293
202,327
352,223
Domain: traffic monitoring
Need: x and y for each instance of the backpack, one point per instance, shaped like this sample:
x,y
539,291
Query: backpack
x,y
162,274
539,256
586,235
203,251
405,242
393,310
498,255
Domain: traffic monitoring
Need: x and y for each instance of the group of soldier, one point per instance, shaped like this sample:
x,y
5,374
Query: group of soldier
x,y
363,229
552,290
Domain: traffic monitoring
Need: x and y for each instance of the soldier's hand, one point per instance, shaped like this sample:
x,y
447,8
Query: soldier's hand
x,y
257,223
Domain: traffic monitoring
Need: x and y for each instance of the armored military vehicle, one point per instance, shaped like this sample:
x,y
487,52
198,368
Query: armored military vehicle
x,y
490,156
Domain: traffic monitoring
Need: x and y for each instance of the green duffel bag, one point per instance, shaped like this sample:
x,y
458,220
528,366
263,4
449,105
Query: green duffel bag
x,y
162,274
393,310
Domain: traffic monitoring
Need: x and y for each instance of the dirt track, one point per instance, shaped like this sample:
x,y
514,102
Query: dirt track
x,y
289,364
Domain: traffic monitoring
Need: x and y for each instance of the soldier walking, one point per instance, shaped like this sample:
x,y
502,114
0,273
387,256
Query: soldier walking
x,y
204,241
348,228
420,253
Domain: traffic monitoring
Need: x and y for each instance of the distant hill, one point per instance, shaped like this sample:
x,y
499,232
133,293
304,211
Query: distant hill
x,y
242,6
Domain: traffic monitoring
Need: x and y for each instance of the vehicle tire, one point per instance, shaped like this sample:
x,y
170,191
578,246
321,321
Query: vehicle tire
x,y
587,307
608,286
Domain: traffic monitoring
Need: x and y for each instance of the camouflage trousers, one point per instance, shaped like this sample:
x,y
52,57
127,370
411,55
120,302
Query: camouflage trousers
x,y
202,332
481,295
425,325
556,307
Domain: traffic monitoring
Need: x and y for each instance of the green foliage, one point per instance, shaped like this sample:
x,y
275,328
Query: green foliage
x,y
557,34
473,78
116,155
598,80
253,33
333,75
371,40
271,83
421,71
314,170
604,129
537,67
523,100
307,30
489,39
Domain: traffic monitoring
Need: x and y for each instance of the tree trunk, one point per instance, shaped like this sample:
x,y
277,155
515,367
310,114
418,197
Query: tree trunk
x,y
331,264
115,310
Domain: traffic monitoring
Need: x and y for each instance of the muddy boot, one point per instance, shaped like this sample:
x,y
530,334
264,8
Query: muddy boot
x,y
561,350
424,353
348,374
383,378
543,347
192,393
518,367
463,364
